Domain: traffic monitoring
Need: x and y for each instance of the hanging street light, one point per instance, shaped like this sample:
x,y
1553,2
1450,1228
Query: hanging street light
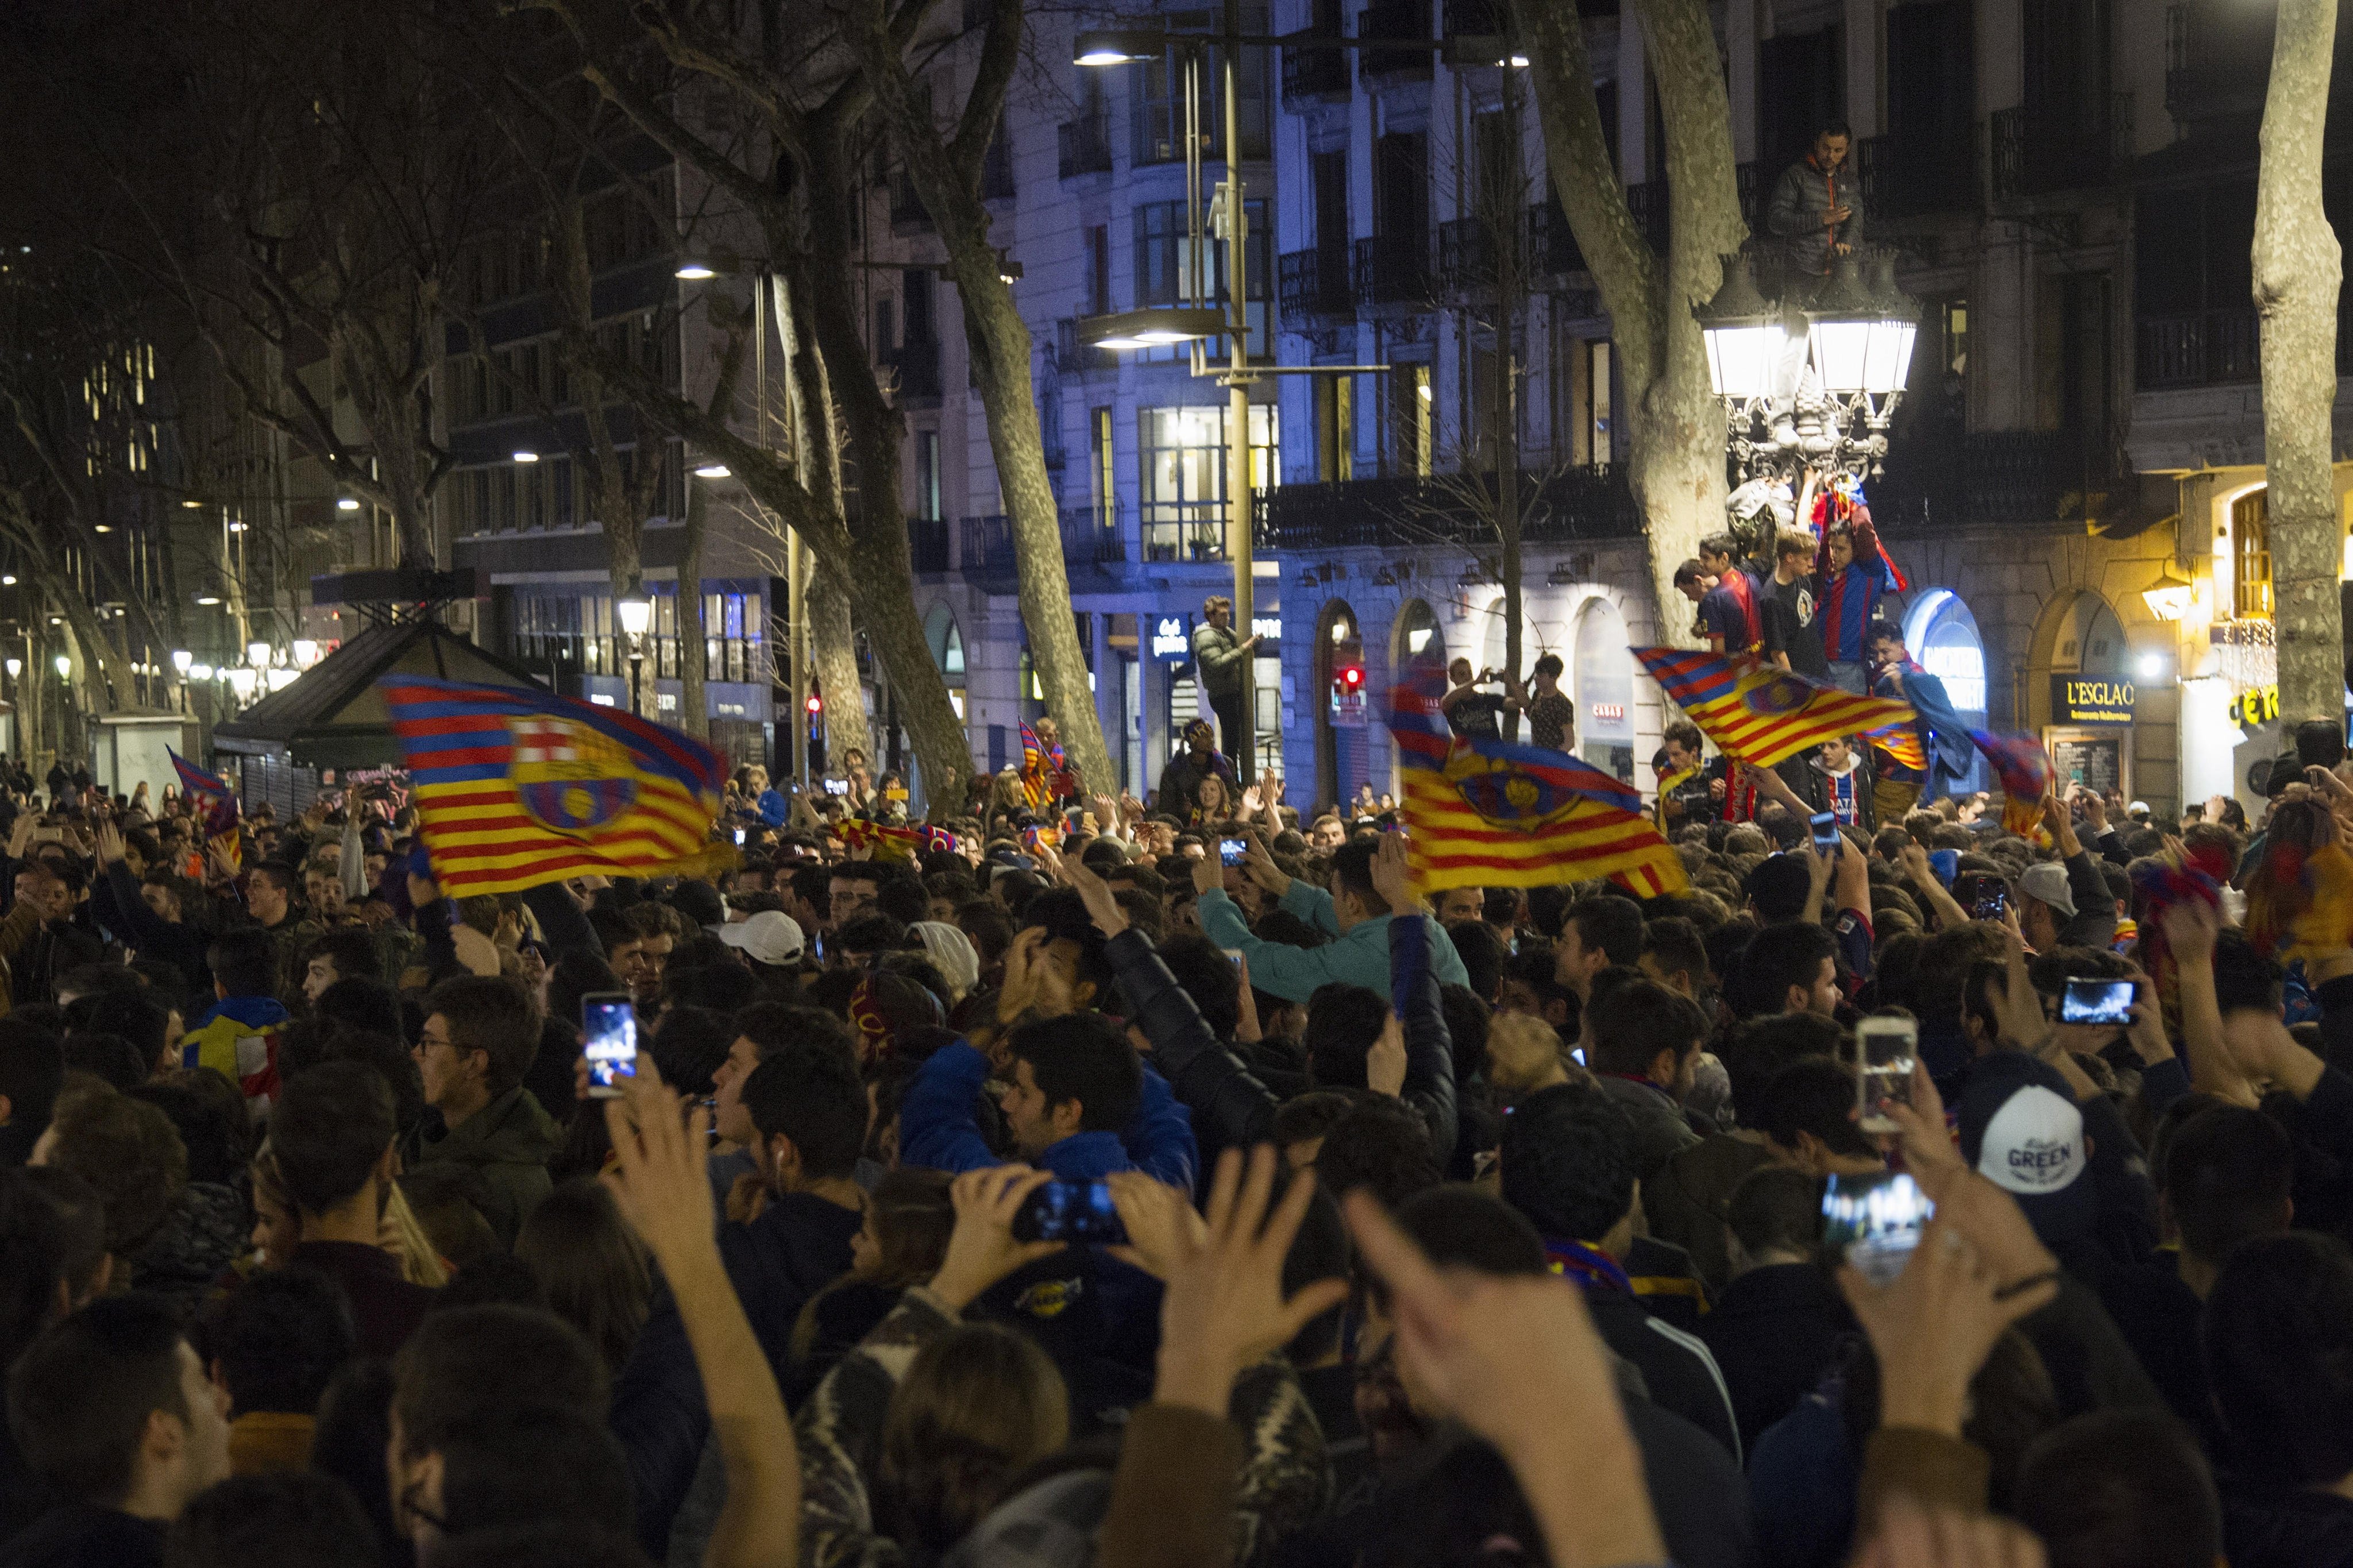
x,y
1811,381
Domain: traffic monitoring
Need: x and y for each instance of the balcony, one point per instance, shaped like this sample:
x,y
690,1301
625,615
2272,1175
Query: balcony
x,y
1082,147
1314,288
2207,348
1401,22
1567,505
1315,75
1553,251
1911,177
1468,256
985,543
1946,479
927,545
915,365
1072,357
1648,202
2068,147
2218,60
1393,270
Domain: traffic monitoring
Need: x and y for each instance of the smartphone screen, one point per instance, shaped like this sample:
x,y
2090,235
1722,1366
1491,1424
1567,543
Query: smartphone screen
x,y
2096,1001
1070,1211
739,836
1826,833
1232,851
1983,894
1885,1049
608,1021
1874,1221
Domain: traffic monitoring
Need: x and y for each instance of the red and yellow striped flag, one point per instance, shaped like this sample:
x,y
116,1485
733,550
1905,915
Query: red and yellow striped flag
x,y
1484,814
515,787
1756,712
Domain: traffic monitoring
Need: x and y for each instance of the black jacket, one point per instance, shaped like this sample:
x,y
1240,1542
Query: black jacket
x,y
2266,1528
1231,1107
1773,1332
1677,1370
798,1245
116,902
80,1535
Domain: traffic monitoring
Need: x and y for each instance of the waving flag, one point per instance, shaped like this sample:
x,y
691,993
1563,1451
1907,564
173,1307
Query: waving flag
x,y
1045,773
1902,745
1760,713
888,843
2024,769
1488,814
216,801
514,787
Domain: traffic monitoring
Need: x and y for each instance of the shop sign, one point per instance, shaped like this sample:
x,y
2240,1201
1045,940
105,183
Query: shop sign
x,y
2256,705
1610,712
1267,629
1172,639
2091,700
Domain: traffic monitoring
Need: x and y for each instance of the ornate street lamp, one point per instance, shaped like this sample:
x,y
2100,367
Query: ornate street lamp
x,y
637,613
1811,381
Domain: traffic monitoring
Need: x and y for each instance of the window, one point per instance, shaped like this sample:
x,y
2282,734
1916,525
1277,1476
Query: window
x,y
1410,418
922,322
927,474
886,337
1098,267
1600,370
1183,453
1335,428
1106,486
1164,269
2251,557
1158,97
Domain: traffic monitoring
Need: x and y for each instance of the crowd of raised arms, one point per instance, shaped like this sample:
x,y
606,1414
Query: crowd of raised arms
x,y
1174,1185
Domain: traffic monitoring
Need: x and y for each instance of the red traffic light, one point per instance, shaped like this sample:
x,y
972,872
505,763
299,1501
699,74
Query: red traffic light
x,y
1352,677
816,703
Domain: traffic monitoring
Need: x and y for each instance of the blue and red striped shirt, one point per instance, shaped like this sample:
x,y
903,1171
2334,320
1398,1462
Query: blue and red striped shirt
x,y
1845,601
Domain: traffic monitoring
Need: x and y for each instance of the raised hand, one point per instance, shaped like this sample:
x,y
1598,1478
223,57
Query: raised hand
x,y
1224,1309
981,1248
658,1178
1385,1063
1936,1324
1393,875
1096,894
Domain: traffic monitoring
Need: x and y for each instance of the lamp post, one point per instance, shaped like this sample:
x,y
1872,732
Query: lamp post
x,y
1811,381
181,662
637,613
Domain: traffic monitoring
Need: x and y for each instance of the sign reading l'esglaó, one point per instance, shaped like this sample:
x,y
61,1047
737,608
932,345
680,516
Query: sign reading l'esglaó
x,y
2091,700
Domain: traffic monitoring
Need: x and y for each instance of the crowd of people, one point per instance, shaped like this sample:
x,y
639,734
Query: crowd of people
x,y
1178,1186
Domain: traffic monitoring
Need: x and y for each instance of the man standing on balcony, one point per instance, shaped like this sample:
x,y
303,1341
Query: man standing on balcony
x,y
1224,656
1817,205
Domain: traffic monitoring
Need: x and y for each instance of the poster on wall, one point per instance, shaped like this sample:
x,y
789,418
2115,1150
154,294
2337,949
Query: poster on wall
x,y
2096,759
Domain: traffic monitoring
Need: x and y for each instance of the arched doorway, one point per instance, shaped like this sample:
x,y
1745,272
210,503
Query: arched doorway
x,y
1604,685
1939,632
1340,705
2080,634
1417,638
946,643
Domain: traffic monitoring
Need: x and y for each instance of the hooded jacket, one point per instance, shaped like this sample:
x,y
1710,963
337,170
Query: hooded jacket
x,y
509,1140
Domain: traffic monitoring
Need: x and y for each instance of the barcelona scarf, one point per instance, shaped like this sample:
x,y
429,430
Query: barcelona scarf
x,y
2024,769
1760,713
514,787
1489,813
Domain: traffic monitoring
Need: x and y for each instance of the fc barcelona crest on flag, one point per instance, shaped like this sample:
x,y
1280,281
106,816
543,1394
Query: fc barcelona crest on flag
x,y
1504,796
569,778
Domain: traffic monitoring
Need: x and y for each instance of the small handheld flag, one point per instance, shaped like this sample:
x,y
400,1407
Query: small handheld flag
x,y
1758,712
515,787
210,791
1900,742
2024,769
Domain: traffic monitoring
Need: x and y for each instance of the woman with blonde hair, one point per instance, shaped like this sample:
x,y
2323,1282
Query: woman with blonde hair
x,y
278,1228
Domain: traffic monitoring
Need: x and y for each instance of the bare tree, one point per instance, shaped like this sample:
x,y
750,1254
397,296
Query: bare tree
x,y
946,170
730,101
1676,450
2297,270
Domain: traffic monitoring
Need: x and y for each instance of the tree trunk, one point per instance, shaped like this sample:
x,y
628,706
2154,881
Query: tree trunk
x,y
1675,450
2297,268
947,178
833,654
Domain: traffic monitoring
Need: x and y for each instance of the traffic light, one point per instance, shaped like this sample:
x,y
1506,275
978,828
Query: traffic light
x,y
1348,691
816,704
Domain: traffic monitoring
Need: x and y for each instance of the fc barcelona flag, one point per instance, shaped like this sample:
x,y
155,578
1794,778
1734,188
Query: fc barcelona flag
x,y
515,787
2024,769
1487,814
1902,745
215,800
1760,713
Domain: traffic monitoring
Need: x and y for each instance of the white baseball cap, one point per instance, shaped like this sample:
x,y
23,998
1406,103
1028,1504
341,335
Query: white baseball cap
x,y
771,936
2034,1144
